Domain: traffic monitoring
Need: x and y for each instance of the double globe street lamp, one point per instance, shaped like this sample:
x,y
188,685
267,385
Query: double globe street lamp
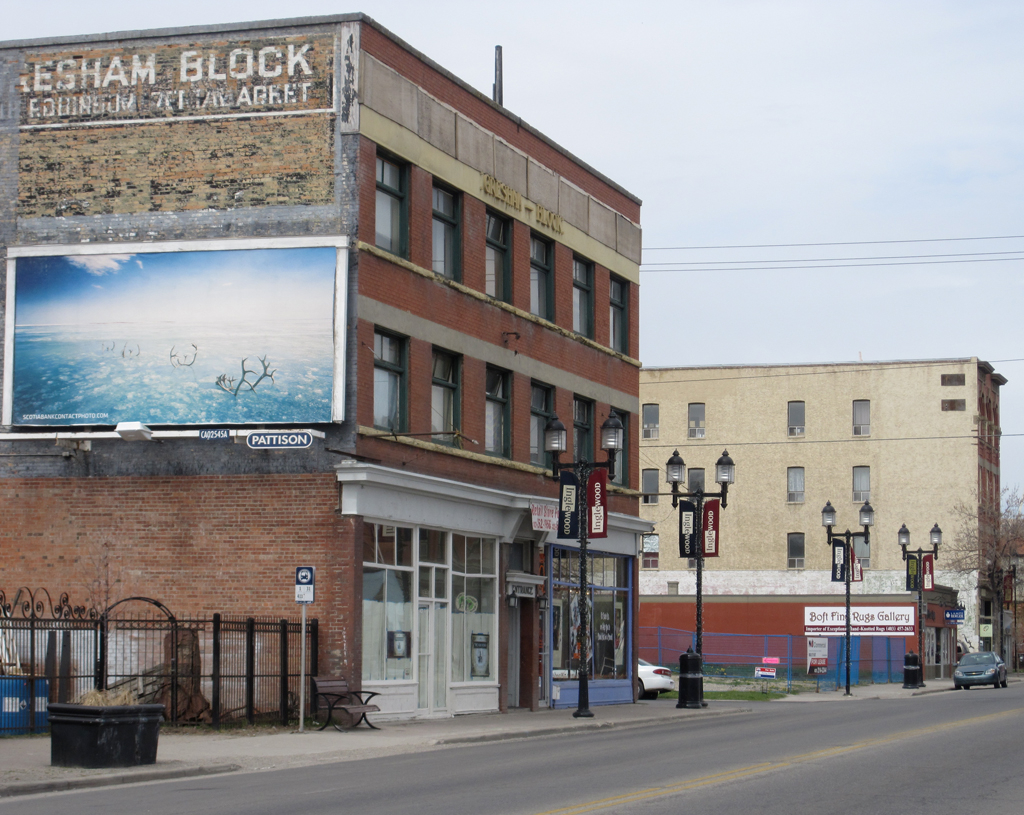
x,y
935,538
675,474
828,520
612,440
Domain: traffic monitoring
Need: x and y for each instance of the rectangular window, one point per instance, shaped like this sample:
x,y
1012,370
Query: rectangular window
x,y
795,550
391,206
649,559
474,609
796,419
446,234
541,259
389,382
582,297
695,420
954,379
862,549
695,479
649,485
618,301
444,398
954,404
861,417
861,484
582,429
795,485
541,409
387,602
673,587
496,425
650,420
496,265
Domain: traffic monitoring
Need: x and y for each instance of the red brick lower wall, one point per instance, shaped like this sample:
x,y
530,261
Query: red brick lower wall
x,y
196,544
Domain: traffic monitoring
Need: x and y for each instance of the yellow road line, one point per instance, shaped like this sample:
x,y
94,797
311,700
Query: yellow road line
x,y
757,769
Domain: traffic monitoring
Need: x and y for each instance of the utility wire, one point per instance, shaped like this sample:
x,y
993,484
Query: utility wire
x,y
837,260
834,243
824,266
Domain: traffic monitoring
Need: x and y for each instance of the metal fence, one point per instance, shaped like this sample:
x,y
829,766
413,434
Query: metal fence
x,y
734,656
209,669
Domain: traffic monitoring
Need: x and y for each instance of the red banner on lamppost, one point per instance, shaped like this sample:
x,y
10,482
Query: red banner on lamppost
x,y
928,572
597,503
712,509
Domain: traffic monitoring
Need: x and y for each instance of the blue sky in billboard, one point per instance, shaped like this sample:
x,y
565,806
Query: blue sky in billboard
x,y
204,337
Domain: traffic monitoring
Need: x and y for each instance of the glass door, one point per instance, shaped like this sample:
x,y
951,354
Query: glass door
x,y
431,623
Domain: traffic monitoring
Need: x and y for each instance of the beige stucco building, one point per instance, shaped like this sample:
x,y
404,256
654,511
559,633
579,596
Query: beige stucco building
x,y
910,436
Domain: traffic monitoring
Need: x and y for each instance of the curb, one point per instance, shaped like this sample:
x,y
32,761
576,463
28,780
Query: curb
x,y
62,784
585,727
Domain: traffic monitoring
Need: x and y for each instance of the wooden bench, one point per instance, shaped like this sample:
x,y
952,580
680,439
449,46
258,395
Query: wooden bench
x,y
334,693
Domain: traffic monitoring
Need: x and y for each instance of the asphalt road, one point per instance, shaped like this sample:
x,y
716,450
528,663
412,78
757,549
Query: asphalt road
x,y
942,753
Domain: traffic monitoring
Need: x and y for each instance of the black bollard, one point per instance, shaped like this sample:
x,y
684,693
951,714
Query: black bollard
x,y
691,681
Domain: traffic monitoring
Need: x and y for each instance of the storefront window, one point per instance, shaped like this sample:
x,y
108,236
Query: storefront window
x,y
608,602
387,602
474,589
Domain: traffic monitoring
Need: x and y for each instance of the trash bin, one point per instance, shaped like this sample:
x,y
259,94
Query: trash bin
x,y
911,670
15,701
691,681
97,736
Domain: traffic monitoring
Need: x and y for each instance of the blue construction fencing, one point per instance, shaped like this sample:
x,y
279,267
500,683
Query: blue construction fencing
x,y
873,660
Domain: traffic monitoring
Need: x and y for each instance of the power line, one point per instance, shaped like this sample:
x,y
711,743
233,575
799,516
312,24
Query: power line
x,y
834,243
858,440
826,265
837,260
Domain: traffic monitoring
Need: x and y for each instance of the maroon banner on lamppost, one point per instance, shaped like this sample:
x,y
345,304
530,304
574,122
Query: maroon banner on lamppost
x,y
597,503
928,572
712,510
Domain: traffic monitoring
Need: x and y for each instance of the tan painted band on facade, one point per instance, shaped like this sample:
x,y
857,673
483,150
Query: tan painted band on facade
x,y
408,145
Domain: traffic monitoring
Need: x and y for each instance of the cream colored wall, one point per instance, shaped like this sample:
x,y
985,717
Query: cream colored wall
x,y
922,460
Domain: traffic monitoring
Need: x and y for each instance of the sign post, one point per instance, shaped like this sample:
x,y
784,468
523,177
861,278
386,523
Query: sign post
x,y
305,589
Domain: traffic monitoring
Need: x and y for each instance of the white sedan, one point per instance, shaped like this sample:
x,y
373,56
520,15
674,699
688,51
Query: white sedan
x,y
652,679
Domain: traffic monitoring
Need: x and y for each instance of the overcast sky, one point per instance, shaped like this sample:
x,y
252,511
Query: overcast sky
x,y
884,124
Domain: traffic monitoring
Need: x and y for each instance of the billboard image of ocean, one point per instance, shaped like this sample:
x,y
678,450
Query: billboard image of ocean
x,y
206,337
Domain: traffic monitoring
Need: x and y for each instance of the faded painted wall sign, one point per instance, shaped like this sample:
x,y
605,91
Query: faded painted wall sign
x,y
99,86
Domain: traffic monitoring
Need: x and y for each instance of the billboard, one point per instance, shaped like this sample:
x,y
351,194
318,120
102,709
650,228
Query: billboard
x,y
206,332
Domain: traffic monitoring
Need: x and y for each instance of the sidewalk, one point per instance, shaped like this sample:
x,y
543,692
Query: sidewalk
x,y
25,760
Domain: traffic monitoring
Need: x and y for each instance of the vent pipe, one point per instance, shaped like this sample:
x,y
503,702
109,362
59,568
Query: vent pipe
x,y
497,93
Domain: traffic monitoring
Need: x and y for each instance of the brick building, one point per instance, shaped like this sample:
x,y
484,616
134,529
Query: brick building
x,y
911,437
225,239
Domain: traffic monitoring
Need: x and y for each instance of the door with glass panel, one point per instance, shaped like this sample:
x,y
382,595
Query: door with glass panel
x,y
432,622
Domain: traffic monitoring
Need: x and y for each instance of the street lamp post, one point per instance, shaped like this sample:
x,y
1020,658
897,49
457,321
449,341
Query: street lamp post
x,y
935,538
675,473
828,520
612,439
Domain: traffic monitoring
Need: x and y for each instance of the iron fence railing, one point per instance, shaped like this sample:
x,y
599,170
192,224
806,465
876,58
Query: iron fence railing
x,y
734,656
204,669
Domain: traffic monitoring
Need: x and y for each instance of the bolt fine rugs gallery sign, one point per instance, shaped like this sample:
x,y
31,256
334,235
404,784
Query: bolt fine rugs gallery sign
x,y
865,621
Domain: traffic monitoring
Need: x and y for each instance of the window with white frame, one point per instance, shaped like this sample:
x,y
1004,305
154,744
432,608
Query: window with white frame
x,y
795,485
862,549
796,419
695,420
861,417
795,550
861,484
650,484
649,559
474,612
388,597
650,420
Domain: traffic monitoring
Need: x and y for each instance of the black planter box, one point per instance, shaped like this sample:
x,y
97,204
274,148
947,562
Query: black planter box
x,y
114,736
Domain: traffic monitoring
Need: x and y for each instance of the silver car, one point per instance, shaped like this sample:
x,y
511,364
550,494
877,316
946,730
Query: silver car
x,y
981,668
